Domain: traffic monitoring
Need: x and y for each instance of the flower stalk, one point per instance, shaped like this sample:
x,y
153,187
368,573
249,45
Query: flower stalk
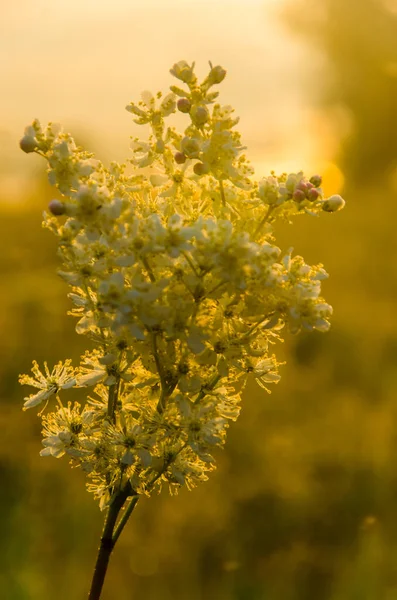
x,y
178,285
108,540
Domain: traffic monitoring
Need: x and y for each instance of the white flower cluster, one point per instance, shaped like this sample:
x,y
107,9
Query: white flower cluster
x,y
175,278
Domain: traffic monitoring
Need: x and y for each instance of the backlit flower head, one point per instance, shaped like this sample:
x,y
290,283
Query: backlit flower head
x,y
177,282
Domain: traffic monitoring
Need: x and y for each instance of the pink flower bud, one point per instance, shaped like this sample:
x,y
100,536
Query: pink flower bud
x,y
184,105
179,158
313,194
302,186
298,195
28,144
57,208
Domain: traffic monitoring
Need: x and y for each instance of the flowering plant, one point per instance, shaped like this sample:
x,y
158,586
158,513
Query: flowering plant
x,y
177,283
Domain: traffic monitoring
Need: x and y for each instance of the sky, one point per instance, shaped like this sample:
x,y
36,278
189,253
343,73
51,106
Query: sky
x,y
80,62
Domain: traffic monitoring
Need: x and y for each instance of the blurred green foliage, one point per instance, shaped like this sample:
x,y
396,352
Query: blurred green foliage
x,y
303,505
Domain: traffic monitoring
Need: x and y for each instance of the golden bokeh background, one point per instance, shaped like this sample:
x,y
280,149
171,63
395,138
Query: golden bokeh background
x,y
303,505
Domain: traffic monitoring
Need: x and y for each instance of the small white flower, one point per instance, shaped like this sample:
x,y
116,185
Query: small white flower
x,y
183,71
265,372
61,377
65,429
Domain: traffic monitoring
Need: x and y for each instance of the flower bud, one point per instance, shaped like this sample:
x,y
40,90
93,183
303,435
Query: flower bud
x,y
200,115
334,203
313,194
190,147
179,158
57,208
316,180
302,186
291,182
28,144
184,105
201,168
217,74
298,195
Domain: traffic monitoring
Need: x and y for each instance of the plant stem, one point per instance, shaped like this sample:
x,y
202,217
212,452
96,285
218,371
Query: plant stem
x,y
222,191
264,220
149,270
112,402
116,504
160,370
111,532
123,520
107,543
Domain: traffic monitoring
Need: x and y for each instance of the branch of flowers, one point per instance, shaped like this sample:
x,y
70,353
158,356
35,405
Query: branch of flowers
x,y
224,202
264,221
148,269
216,287
222,191
190,263
112,401
234,209
252,329
93,306
160,370
40,153
208,388
188,288
161,403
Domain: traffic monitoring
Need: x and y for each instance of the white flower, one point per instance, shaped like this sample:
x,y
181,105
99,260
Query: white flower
x,y
265,371
96,368
92,371
183,71
64,429
61,377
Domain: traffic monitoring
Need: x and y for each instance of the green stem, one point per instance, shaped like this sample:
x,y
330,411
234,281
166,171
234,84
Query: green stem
x,y
149,270
123,521
217,286
252,329
208,388
222,191
264,220
160,370
107,543
112,401
190,263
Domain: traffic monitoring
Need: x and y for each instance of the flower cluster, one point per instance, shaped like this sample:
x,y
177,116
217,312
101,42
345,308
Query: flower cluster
x,y
175,277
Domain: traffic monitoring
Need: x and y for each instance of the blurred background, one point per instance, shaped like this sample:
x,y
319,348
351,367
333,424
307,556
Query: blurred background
x,y
303,505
